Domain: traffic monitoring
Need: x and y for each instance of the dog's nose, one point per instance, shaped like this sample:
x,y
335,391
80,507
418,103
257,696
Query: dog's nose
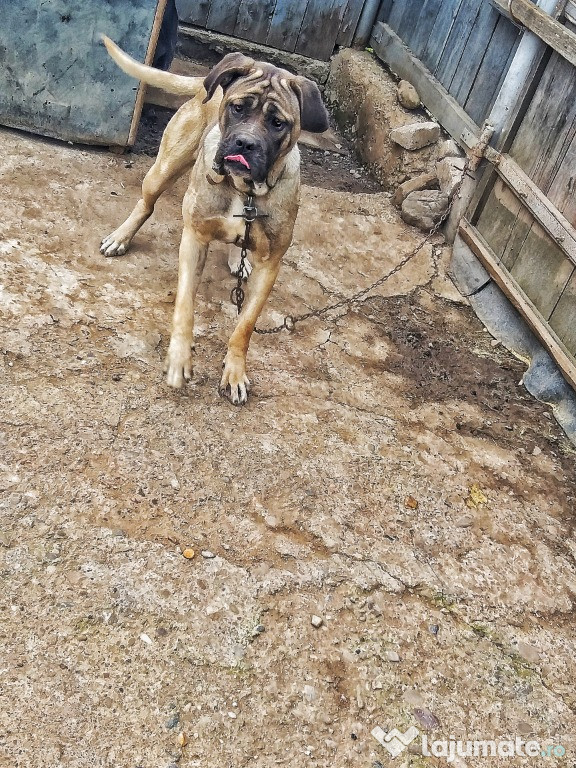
x,y
244,143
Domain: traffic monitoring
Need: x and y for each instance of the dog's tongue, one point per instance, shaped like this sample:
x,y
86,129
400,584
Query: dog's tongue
x,y
238,159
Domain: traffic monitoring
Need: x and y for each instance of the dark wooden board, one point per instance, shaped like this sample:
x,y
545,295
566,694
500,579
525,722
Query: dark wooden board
x,y
253,20
285,24
222,16
56,78
493,68
562,318
349,22
439,33
320,28
193,11
457,42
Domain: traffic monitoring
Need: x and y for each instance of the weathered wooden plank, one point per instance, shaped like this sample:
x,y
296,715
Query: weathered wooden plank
x,y
554,34
286,23
385,10
557,226
517,238
424,26
457,42
492,71
552,114
439,33
435,97
562,189
476,49
56,78
541,270
498,217
222,16
320,28
349,22
397,13
253,20
193,11
562,318
563,356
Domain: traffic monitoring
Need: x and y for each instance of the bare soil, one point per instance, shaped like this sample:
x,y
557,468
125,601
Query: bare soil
x,y
389,475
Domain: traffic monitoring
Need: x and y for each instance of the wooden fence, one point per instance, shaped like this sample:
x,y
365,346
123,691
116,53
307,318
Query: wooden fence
x,y
473,64
309,27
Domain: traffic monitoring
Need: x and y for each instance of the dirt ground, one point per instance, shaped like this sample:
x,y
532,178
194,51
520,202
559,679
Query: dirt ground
x,y
389,475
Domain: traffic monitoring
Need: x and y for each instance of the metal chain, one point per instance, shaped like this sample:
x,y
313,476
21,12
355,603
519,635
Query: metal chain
x,y
289,322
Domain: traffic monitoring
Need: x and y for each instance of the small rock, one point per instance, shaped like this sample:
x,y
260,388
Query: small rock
x,y
448,148
377,684
392,656
408,95
416,135
309,693
449,172
424,209
188,553
410,502
5,539
317,621
173,722
434,629
207,554
258,629
528,652
145,639
537,451
423,181
426,718
232,715
175,484
182,739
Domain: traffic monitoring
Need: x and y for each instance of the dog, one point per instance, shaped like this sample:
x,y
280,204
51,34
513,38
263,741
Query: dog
x,y
238,134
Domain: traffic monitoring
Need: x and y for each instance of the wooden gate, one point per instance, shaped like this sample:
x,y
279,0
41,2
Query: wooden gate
x,y
309,27
521,221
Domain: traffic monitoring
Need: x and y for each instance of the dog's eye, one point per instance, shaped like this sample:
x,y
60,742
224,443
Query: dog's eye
x,y
278,124
237,108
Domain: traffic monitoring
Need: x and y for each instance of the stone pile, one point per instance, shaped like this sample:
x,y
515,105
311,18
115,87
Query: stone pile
x,y
425,198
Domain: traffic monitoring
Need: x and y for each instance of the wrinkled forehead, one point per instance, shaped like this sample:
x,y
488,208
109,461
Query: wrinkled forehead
x,y
270,87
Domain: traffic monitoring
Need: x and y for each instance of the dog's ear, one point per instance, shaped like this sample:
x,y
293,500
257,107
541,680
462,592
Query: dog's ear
x,y
232,66
313,115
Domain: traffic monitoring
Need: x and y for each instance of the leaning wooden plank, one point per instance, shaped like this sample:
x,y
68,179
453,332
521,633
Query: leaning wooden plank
x,y
536,20
554,345
562,319
56,78
161,7
557,226
388,46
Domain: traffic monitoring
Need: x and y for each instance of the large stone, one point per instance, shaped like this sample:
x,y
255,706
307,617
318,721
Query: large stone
x,y
424,209
416,135
423,181
448,148
450,171
408,96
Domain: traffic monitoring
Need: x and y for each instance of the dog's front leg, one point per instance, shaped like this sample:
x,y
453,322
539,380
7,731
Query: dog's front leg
x,y
192,258
235,383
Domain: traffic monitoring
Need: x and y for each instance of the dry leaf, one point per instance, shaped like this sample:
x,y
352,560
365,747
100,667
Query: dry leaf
x,y
476,497
411,503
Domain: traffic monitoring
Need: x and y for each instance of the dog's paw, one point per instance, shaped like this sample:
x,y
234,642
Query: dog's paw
x,y
114,245
234,264
178,364
234,384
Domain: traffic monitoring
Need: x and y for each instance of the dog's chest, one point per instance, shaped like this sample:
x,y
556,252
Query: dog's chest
x,y
232,225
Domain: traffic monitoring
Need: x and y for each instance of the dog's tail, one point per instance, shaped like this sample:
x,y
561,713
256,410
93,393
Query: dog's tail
x,y
180,84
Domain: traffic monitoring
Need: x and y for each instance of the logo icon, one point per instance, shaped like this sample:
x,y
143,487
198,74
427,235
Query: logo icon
x,y
395,742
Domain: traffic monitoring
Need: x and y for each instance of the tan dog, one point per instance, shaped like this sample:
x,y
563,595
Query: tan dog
x,y
238,134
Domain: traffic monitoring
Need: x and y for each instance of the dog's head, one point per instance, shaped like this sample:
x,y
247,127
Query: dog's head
x,y
263,110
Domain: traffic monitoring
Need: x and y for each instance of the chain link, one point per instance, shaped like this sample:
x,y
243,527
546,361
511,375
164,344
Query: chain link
x,y
290,321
